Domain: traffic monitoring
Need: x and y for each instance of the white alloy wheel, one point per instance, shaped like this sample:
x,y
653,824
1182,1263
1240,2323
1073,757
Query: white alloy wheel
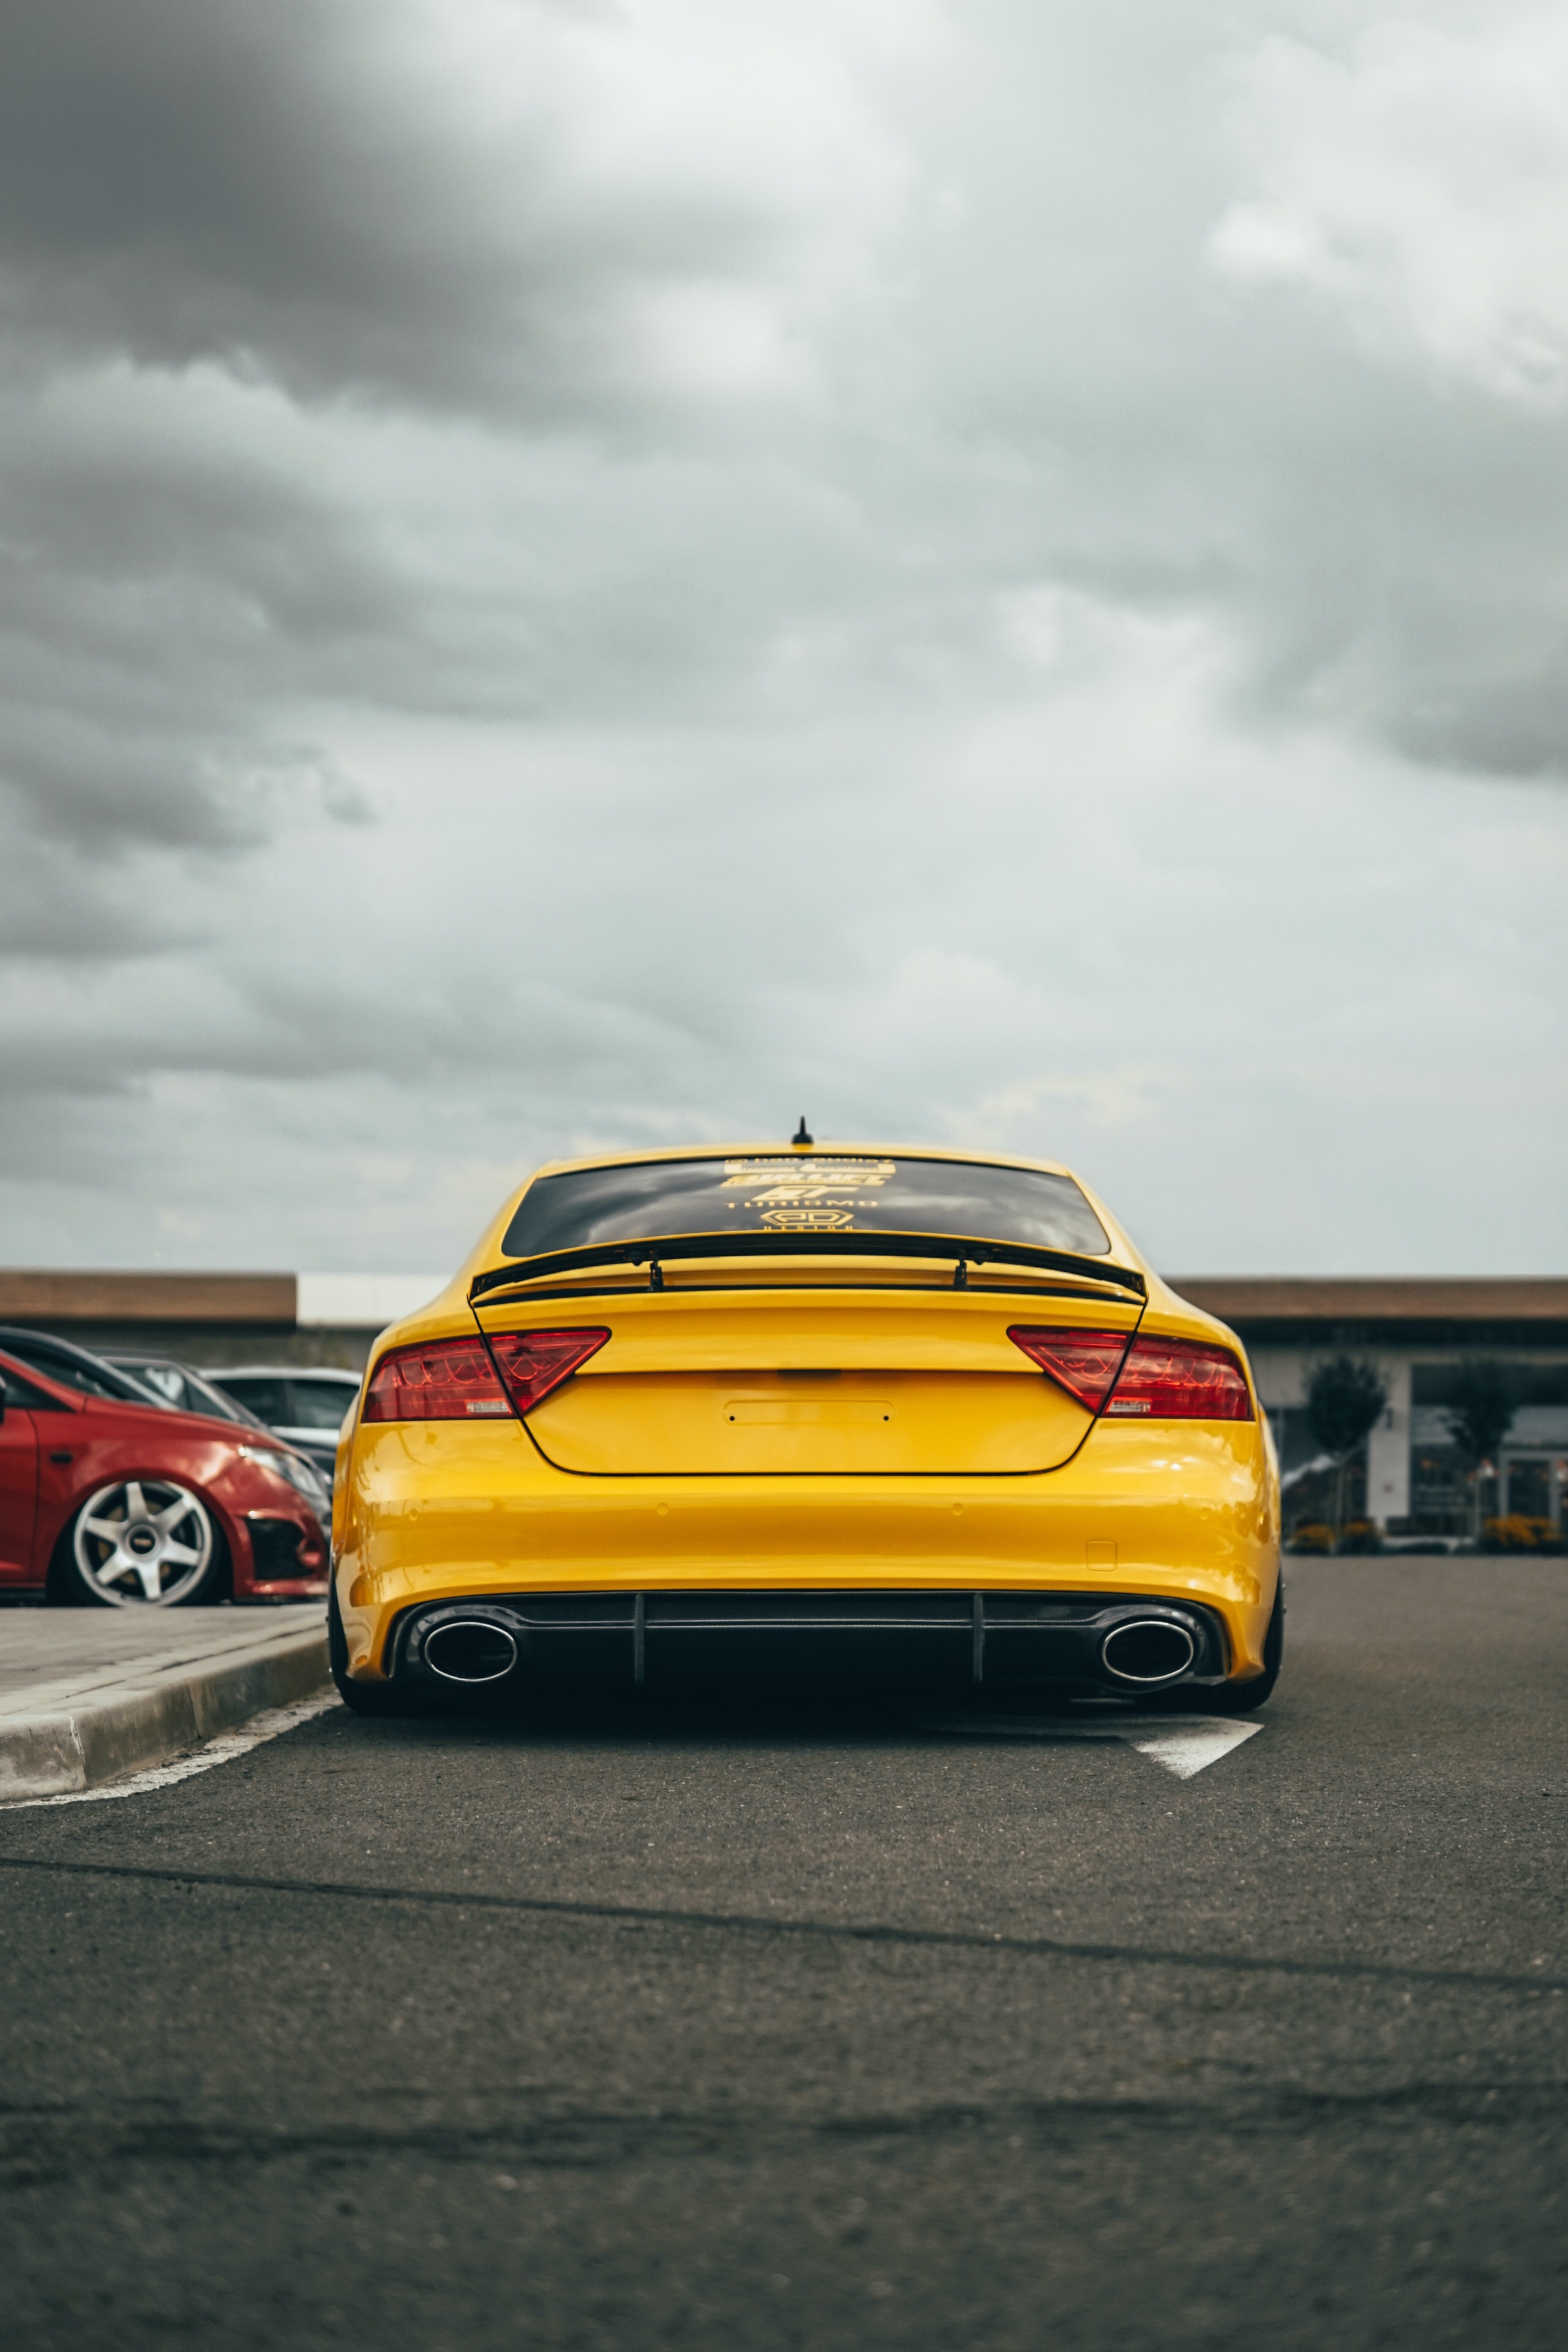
x,y
142,1543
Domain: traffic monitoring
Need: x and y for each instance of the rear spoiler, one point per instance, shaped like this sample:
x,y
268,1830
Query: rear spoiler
x,y
654,1254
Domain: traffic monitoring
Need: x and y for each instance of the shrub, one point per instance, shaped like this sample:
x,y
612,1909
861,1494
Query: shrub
x,y
1361,1535
1480,1415
1312,1536
1517,1533
1346,1398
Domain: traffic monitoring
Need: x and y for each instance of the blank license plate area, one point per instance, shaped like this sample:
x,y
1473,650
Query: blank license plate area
x,y
887,1424
844,1412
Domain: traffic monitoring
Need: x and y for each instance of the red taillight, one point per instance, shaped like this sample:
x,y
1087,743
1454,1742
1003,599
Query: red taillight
x,y
455,1380
1084,1363
1180,1379
1161,1380
446,1380
532,1363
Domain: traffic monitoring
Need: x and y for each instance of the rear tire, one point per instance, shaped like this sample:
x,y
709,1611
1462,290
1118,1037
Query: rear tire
x,y
1241,1698
360,1699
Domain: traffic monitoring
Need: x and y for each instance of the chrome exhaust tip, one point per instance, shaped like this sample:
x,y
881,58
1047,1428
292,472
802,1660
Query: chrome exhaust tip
x,y
1146,1651
470,1650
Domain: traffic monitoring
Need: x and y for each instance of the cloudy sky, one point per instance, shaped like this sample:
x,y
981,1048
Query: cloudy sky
x,y
579,573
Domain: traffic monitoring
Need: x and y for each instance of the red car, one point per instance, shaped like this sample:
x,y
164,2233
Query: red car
x,y
104,1499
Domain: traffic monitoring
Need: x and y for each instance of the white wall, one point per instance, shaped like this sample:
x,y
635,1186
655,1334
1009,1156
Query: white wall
x,y
1388,1448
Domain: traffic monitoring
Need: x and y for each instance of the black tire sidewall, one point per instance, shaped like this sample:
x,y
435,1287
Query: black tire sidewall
x,y
1241,1698
337,1640
360,1699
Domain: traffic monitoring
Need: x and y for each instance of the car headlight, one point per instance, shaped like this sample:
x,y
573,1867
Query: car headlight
x,y
302,1476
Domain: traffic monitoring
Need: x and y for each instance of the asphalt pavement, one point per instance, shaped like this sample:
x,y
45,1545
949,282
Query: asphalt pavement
x,y
796,2024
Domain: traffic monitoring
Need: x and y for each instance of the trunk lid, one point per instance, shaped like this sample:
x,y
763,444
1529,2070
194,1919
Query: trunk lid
x,y
779,1378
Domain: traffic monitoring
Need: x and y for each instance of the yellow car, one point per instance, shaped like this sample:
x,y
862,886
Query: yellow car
x,y
753,1410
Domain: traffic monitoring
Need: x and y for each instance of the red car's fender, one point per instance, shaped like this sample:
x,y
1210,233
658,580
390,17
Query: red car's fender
x,y
88,1442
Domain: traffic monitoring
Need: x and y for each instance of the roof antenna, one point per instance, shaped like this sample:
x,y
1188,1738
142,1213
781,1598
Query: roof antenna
x,y
800,1138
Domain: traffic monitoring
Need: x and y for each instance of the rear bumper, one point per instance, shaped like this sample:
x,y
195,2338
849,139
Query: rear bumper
x,y
281,1553
1178,1513
1090,1640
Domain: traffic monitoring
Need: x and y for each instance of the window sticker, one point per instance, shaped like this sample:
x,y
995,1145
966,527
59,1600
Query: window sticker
x,y
818,1196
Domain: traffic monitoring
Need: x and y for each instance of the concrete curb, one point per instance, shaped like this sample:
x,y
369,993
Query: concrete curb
x,y
149,1717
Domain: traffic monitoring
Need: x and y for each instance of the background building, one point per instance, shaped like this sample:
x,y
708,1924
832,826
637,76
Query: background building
x,y
1417,1331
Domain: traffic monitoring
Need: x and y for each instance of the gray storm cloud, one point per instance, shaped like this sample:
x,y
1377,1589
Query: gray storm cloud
x,y
575,573
302,192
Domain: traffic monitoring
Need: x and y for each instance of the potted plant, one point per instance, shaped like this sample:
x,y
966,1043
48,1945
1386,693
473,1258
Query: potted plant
x,y
1346,1398
1478,1415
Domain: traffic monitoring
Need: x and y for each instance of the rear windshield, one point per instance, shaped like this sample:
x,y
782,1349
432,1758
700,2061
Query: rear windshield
x,y
790,1194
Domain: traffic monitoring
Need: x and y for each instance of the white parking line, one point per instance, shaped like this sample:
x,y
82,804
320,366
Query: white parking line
x,y
1191,1747
223,1750
1183,1744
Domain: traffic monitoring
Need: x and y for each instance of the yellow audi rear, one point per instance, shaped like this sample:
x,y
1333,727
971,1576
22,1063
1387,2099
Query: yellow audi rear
x,y
848,1409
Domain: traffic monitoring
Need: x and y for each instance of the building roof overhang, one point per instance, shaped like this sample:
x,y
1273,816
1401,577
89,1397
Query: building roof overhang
x,y
1442,1309
1305,1309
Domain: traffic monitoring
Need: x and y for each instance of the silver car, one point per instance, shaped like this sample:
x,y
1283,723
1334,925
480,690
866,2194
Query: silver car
x,y
180,1385
303,1402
